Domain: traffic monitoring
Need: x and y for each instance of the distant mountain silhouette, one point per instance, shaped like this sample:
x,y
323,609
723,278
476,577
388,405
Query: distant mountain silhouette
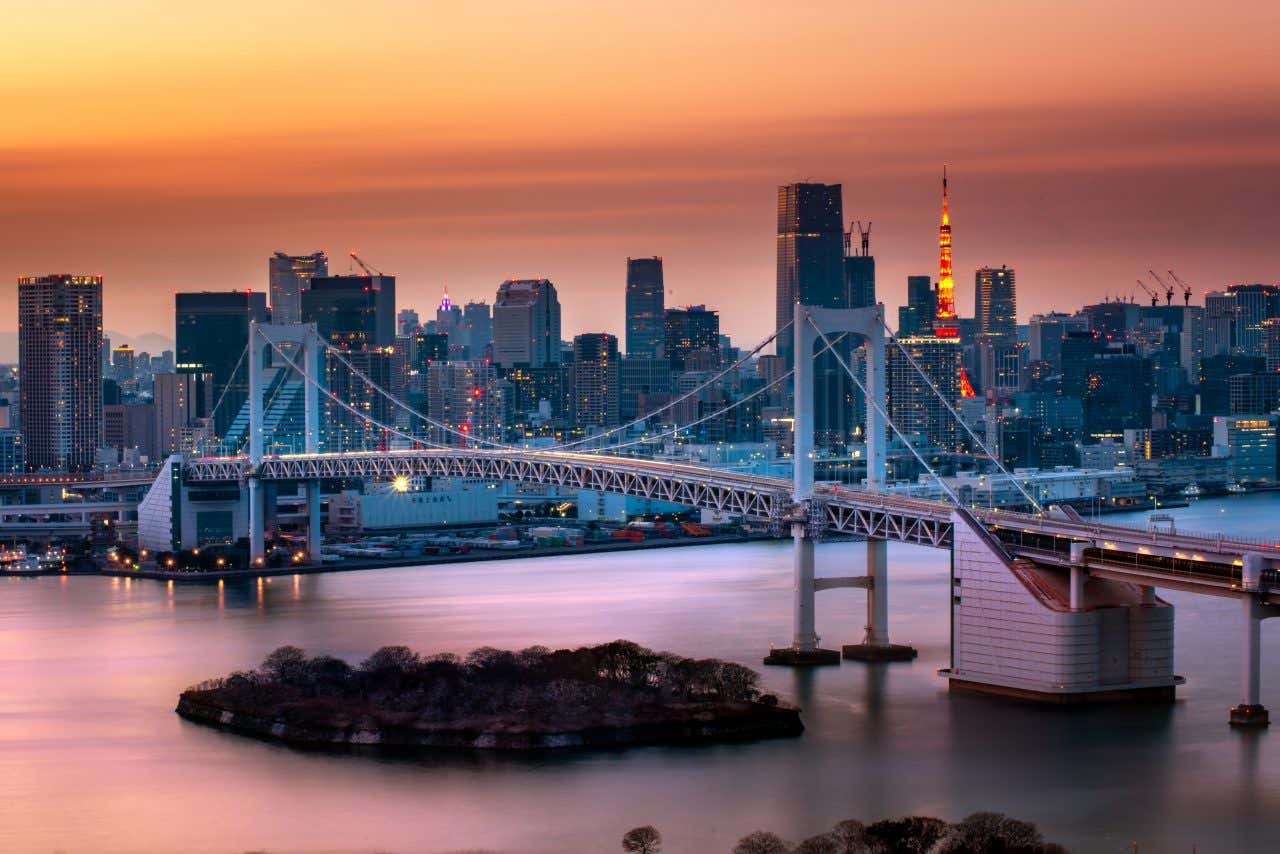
x,y
152,342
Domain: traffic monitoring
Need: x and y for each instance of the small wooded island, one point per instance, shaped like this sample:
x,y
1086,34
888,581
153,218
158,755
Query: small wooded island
x,y
610,695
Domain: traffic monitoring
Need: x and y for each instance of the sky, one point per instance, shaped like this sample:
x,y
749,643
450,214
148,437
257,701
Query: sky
x,y
175,146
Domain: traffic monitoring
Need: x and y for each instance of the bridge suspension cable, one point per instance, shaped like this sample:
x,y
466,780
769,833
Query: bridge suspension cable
x,y
348,407
644,419
884,414
972,435
204,440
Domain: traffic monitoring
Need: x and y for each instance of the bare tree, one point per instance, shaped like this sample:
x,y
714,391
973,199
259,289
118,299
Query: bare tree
x,y
761,842
642,840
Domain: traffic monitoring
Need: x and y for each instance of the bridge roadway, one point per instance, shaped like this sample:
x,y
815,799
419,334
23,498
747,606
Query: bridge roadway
x,y
1202,563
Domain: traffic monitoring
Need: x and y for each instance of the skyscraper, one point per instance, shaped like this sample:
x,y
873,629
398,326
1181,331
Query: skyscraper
x,y
646,301
811,271
290,276
690,330
810,252
211,329
859,269
526,324
181,400
916,317
995,305
352,312
477,328
1254,304
60,363
595,379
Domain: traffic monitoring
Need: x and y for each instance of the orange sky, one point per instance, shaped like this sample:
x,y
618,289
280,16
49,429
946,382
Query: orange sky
x,y
171,148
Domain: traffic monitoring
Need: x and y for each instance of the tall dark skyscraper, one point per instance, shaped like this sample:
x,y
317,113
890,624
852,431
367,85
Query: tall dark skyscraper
x,y
646,301
290,276
211,329
352,312
916,317
810,252
995,304
811,271
859,269
60,365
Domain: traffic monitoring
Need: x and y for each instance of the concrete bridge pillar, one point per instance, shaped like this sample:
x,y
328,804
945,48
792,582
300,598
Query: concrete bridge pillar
x,y
257,523
313,521
875,646
804,650
1251,712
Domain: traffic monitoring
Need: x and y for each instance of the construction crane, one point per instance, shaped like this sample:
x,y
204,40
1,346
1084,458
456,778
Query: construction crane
x,y
1168,288
368,271
1151,292
1186,289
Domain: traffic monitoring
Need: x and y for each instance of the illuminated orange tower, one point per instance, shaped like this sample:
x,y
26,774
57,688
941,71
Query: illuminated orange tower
x,y
944,324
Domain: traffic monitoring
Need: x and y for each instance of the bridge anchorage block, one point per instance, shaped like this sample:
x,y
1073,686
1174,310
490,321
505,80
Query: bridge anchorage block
x,y
876,653
789,656
1249,717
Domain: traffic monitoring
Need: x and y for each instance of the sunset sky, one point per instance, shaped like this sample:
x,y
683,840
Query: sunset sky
x,y
175,146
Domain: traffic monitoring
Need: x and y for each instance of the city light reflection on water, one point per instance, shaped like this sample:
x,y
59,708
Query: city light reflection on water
x,y
95,760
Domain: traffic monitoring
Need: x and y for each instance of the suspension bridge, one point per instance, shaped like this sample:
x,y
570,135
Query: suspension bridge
x,y
1045,604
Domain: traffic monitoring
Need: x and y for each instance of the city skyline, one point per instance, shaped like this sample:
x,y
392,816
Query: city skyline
x,y
1048,168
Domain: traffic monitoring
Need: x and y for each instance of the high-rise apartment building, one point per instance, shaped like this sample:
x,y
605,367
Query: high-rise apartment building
x,y
912,404
352,312
60,363
211,329
689,330
646,302
463,396
995,304
290,276
526,324
595,379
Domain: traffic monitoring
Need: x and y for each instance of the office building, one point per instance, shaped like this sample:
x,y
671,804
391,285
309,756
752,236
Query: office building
x,y
212,330
60,363
290,276
181,402
476,330
689,330
1249,444
1219,324
643,386
810,255
859,269
130,426
995,304
1117,393
407,322
646,302
123,363
595,380
526,324
1253,304
916,317
1045,333
352,312
463,396
13,459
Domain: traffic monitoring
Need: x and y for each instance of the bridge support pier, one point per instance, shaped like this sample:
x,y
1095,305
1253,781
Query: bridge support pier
x,y
257,523
875,646
313,521
804,650
1251,712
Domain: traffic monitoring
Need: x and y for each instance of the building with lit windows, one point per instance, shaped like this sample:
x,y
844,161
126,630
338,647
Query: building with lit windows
x,y
995,304
289,278
464,396
595,380
646,302
60,363
689,330
1249,443
912,404
526,324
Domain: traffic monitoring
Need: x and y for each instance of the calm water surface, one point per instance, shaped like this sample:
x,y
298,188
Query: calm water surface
x,y
93,759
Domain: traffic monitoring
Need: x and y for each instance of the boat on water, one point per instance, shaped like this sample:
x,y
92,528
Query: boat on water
x,y
1237,488
1192,490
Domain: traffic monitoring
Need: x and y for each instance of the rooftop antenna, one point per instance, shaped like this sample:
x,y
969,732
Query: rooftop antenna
x,y
865,234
